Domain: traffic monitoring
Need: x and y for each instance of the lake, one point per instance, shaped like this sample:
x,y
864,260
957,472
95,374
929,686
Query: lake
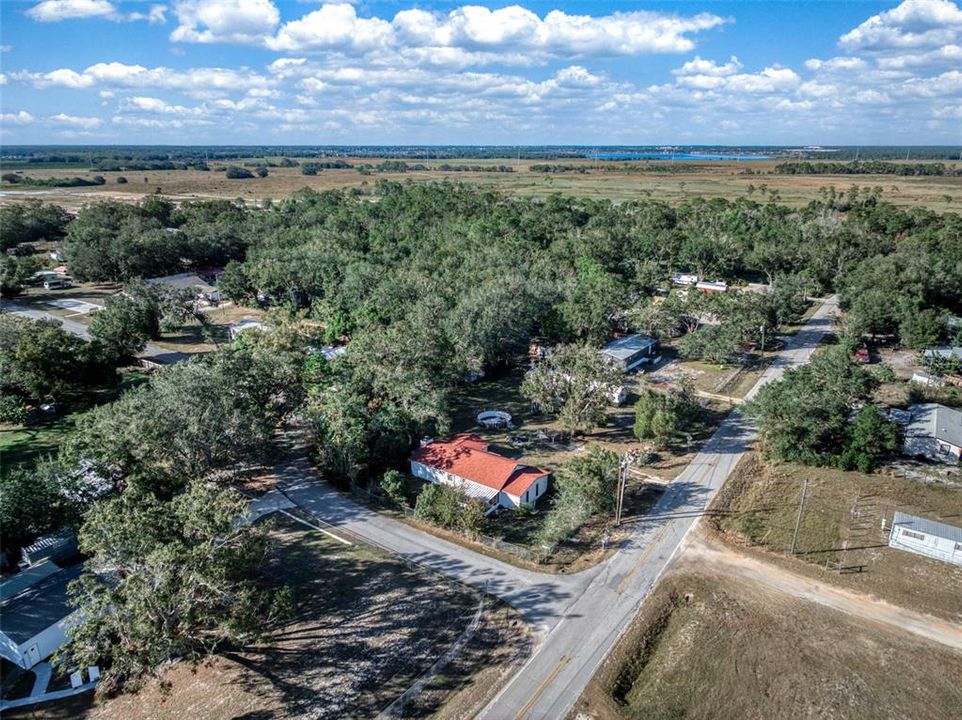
x,y
673,156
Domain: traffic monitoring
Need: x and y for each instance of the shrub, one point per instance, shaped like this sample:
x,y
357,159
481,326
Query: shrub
x,y
393,486
237,173
444,506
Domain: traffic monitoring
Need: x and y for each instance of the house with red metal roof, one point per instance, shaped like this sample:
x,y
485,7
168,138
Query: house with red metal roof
x,y
466,463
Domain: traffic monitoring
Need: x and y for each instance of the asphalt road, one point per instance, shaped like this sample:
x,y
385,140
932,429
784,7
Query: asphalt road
x,y
150,351
580,617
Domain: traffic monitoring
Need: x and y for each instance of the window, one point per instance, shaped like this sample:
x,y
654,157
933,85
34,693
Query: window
x,y
913,535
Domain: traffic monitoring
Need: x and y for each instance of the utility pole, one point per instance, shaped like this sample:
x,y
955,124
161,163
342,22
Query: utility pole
x,y
798,519
626,461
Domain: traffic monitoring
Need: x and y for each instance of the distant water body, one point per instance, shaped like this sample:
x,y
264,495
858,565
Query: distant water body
x,y
673,156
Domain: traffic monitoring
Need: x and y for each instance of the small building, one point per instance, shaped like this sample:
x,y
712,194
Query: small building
x,y
685,279
712,287
935,432
190,281
944,353
35,613
926,537
920,377
59,547
239,328
465,462
631,351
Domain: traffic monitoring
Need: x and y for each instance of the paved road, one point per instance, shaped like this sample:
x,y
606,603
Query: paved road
x,y
150,351
580,616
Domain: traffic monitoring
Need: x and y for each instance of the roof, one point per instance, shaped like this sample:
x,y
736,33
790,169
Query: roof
x,y
938,421
39,606
929,527
183,280
466,456
624,348
52,544
246,324
944,352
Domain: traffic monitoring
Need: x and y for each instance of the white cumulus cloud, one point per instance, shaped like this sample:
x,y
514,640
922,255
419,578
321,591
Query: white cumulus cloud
x,y
77,121
914,24
224,21
59,10
17,118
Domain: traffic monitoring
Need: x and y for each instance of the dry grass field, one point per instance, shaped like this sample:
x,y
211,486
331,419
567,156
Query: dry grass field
x,y
366,625
709,645
840,540
614,180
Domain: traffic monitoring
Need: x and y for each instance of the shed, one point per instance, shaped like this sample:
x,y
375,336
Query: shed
x,y
59,547
712,287
631,351
35,613
926,537
238,328
935,432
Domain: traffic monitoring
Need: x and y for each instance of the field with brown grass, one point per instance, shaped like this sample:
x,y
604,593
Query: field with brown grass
x,y
840,538
715,647
617,181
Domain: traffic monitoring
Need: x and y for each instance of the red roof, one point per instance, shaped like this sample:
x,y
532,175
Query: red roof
x,y
467,456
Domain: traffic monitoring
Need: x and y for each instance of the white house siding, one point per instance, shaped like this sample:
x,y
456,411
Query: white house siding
x,y
924,544
536,490
9,649
439,477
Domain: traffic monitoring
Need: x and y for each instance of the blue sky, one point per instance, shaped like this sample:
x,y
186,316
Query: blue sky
x,y
586,72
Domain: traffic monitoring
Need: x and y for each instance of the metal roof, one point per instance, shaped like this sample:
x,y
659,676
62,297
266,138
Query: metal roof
x,y
938,421
39,606
628,346
929,527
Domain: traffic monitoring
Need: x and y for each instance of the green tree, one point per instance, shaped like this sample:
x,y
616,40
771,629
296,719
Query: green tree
x,y
168,580
870,437
39,360
124,326
595,297
584,487
31,504
576,382
15,271
804,416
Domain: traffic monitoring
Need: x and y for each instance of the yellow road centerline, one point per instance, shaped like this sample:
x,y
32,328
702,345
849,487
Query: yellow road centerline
x,y
641,558
547,681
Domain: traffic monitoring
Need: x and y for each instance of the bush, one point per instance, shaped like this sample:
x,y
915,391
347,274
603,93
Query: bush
x,y
444,506
12,410
393,486
237,173
121,180
584,487
261,171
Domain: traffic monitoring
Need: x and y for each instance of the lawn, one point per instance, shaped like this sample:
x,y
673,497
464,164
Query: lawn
x,y
365,626
715,647
25,445
840,528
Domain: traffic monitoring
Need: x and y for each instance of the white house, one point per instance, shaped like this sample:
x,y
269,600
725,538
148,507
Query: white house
x,y
34,613
712,287
631,351
935,432
464,462
926,537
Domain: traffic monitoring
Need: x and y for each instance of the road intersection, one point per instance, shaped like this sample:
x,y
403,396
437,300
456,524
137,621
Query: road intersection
x,y
580,617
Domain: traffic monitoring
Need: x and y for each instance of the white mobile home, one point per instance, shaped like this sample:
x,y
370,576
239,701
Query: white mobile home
x,y
926,537
35,614
935,432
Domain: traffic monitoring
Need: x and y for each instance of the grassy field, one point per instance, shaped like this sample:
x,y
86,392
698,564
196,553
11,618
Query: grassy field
x,y
366,625
716,648
618,181
840,538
